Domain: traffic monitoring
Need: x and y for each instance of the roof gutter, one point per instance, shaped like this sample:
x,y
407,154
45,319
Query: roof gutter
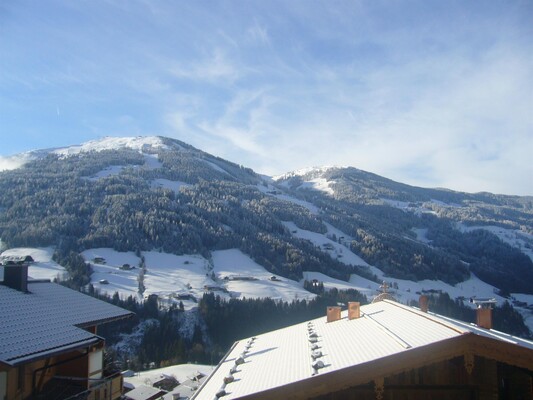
x,y
54,351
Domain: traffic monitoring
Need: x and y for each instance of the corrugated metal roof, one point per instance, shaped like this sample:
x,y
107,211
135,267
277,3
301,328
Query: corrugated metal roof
x,y
284,356
47,320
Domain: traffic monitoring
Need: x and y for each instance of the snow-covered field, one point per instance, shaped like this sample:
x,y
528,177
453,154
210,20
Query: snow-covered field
x,y
187,277
174,278
239,268
43,267
169,276
106,265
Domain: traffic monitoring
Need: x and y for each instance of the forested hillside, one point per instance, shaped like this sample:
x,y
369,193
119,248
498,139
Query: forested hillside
x,y
177,199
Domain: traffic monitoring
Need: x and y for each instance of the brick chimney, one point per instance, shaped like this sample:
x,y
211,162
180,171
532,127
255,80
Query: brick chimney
x,y
333,313
484,317
423,302
354,309
16,277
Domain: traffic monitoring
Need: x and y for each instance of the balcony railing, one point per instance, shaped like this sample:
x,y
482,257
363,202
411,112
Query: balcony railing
x,y
70,388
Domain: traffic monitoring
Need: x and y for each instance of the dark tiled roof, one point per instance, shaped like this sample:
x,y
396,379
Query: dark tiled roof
x,y
47,320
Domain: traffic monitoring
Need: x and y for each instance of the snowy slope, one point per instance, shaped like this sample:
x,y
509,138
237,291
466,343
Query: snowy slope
x,y
235,265
335,249
312,178
169,275
366,287
43,267
272,191
139,143
125,282
514,237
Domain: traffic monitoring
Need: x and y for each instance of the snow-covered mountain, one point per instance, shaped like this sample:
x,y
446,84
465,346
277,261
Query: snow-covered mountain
x,y
199,221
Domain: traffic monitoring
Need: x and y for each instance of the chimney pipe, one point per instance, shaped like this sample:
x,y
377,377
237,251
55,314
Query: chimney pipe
x,y
333,313
16,277
354,310
484,317
423,302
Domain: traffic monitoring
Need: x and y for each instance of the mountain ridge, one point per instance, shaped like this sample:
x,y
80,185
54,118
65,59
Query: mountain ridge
x,y
146,193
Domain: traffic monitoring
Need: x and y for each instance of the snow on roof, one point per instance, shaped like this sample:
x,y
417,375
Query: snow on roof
x,y
47,320
143,393
286,356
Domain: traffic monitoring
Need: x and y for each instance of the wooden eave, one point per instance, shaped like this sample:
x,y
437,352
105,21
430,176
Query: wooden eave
x,y
466,344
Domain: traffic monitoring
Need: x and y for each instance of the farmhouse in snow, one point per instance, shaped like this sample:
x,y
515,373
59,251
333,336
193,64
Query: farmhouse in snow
x,y
383,350
49,347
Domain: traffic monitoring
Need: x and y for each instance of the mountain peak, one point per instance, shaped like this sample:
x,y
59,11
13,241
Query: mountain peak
x,y
307,172
139,143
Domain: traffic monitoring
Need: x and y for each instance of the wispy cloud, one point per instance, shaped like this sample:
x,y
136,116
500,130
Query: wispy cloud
x,y
433,94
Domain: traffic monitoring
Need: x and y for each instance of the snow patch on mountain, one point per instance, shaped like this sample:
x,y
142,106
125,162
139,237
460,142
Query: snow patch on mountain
x,y
214,166
167,184
151,161
139,143
320,184
314,171
112,170
365,287
274,192
514,237
312,178
336,250
421,235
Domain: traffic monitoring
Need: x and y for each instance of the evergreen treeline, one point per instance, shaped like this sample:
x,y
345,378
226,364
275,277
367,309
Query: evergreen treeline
x,y
504,317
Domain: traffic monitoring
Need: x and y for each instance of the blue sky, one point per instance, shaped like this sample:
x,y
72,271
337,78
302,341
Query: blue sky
x,y
436,94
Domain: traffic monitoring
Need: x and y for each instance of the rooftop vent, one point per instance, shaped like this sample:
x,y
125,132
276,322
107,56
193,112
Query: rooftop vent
x,y
317,365
333,313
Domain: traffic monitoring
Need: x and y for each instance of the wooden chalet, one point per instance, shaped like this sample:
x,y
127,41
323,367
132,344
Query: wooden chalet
x,y
49,347
383,350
